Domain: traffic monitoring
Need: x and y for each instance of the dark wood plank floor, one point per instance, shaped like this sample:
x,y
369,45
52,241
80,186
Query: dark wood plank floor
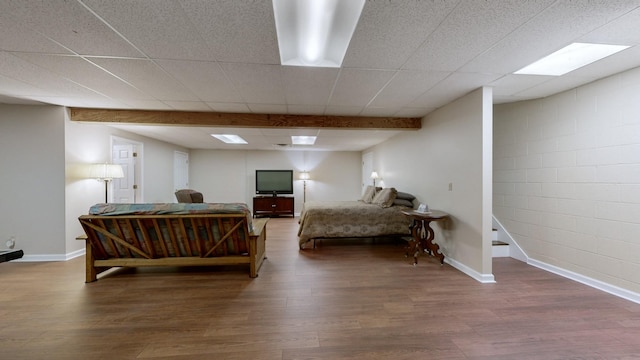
x,y
353,301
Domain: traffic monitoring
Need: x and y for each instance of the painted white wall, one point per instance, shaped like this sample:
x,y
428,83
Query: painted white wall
x,y
452,147
32,178
567,179
44,184
88,143
229,176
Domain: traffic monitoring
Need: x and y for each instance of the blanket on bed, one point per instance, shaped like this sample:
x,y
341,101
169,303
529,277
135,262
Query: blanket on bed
x,y
349,219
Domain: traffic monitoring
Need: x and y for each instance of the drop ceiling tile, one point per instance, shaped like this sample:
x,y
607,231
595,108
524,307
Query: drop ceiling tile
x,y
18,88
358,87
381,39
70,24
147,77
18,69
236,29
256,83
207,79
512,84
405,86
85,73
308,86
267,108
413,112
453,87
450,46
556,85
344,110
306,109
159,28
380,111
229,107
16,36
146,104
188,105
620,31
559,25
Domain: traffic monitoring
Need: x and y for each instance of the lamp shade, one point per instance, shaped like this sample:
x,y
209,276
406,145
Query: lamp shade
x,y
106,171
304,175
374,175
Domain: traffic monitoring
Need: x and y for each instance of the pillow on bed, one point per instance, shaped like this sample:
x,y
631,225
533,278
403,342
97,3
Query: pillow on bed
x,y
385,197
368,195
402,202
405,196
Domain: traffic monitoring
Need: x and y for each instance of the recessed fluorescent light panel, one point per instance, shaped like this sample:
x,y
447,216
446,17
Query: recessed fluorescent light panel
x,y
230,138
315,32
303,140
570,58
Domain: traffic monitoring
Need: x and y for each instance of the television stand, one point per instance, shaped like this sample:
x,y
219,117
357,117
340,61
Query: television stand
x,y
273,206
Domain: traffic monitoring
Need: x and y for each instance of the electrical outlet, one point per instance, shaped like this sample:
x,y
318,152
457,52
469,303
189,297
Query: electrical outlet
x,y
11,243
450,186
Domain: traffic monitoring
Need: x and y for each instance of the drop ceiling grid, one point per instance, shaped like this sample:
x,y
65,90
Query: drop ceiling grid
x,y
308,86
207,79
86,73
72,25
389,32
148,77
358,86
236,30
256,83
160,29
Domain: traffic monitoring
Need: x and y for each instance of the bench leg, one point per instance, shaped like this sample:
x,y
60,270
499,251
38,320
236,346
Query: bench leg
x,y
91,272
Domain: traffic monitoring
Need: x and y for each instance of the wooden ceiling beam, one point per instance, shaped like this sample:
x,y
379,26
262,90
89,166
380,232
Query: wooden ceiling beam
x,y
217,119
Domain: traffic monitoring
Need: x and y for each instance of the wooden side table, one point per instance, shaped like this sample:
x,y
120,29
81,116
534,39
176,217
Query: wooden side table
x,y
423,234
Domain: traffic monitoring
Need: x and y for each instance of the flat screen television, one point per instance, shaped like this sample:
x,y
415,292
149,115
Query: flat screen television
x,y
274,182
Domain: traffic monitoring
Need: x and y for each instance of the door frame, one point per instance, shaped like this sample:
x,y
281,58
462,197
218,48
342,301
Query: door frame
x,y
138,176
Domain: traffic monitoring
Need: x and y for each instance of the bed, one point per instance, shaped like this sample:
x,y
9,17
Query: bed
x,y
354,219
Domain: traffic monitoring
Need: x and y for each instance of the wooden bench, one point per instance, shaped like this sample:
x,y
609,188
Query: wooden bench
x,y
202,239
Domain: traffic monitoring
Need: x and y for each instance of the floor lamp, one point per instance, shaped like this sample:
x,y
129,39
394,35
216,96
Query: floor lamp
x,y
106,172
304,176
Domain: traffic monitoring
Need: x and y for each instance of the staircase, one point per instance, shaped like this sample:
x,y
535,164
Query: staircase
x,y
499,248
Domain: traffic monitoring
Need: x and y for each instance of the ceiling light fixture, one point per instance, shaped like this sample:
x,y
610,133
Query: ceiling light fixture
x,y
315,33
230,138
569,58
303,140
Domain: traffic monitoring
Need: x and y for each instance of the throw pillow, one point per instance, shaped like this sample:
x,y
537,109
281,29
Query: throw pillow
x,y
368,195
385,197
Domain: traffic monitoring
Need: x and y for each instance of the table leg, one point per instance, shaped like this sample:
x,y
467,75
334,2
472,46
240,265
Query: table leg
x,y
433,248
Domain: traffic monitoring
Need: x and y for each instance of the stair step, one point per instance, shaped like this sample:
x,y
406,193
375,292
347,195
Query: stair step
x,y
498,243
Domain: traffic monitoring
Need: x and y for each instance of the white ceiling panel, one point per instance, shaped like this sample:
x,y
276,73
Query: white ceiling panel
x,y
389,32
207,79
359,87
146,76
236,29
405,86
471,29
308,86
406,59
70,24
256,83
16,36
160,29
83,72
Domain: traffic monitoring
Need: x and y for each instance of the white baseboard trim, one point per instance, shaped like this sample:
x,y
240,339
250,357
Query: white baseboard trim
x,y
51,257
597,284
483,278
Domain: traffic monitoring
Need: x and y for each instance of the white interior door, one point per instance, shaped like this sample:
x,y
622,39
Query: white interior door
x,y
124,190
180,170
